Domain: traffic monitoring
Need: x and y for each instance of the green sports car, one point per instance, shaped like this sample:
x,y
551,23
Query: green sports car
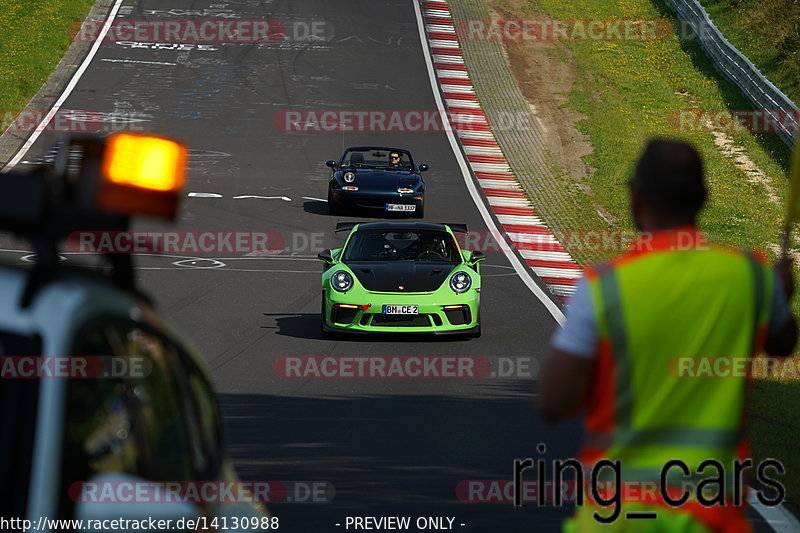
x,y
401,277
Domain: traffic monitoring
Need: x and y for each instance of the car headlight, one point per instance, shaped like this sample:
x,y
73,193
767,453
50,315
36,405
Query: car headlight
x,y
460,282
349,177
341,281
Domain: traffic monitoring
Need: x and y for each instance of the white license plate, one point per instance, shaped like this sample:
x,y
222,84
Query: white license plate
x,y
401,207
400,310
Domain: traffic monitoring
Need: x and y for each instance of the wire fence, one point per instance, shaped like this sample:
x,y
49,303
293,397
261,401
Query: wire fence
x,y
782,113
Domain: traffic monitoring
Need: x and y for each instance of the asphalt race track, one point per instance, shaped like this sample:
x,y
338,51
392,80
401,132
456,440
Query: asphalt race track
x,y
389,446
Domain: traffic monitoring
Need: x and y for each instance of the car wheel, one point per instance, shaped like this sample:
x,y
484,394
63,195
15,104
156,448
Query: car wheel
x,y
333,207
324,333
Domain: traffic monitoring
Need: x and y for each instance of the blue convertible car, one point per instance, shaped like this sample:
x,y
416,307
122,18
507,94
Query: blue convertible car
x,y
376,178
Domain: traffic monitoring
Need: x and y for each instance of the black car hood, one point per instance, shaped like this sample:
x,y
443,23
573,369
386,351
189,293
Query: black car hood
x,y
389,276
385,180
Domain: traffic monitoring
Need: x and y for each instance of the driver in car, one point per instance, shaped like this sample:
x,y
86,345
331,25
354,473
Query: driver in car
x,y
394,160
429,249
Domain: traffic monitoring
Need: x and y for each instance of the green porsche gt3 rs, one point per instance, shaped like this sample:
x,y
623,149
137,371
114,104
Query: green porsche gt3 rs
x,y
401,277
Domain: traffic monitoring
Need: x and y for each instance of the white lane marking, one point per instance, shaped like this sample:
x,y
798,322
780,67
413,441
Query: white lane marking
x,y
499,184
472,134
457,89
442,28
562,274
277,254
441,43
274,271
284,198
68,89
541,238
779,518
545,255
204,195
31,258
200,263
449,60
521,220
439,13
502,201
491,167
522,271
179,47
139,62
246,257
312,198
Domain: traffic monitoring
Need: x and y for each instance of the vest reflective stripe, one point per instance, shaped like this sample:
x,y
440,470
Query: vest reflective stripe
x,y
648,426
679,436
613,318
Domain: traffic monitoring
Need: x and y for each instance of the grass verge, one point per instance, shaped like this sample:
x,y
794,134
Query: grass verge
x,y
768,33
629,91
35,36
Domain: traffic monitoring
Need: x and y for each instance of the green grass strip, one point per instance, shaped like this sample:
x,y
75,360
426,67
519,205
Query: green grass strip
x,y
33,37
768,33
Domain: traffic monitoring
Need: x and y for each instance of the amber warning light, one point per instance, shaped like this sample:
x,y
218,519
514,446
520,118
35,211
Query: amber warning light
x,y
141,174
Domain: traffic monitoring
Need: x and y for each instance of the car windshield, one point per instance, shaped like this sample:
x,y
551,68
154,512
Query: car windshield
x,y
377,158
402,245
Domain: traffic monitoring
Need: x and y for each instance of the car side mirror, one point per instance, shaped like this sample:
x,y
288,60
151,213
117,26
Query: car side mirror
x,y
325,255
331,163
477,255
423,167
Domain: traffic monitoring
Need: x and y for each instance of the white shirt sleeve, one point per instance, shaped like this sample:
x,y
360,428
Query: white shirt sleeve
x,y
578,336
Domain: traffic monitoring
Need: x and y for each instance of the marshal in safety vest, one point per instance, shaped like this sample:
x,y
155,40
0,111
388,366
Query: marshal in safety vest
x,y
672,296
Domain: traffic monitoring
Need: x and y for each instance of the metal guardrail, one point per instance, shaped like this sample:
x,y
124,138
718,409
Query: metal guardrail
x,y
738,69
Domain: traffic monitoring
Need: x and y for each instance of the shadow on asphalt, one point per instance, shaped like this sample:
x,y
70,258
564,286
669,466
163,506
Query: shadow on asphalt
x,y
317,207
394,455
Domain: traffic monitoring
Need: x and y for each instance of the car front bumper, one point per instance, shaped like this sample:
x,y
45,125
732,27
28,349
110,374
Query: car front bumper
x,y
433,315
373,201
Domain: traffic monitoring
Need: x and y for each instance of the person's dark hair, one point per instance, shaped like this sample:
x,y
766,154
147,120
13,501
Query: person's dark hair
x,y
669,177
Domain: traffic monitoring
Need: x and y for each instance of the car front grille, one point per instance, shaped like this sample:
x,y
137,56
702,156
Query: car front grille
x,y
343,315
371,202
410,321
457,317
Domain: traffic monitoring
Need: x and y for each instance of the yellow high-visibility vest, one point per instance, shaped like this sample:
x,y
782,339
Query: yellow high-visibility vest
x,y
671,302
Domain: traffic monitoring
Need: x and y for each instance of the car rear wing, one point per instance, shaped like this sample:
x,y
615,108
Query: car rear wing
x,y
458,228
345,226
